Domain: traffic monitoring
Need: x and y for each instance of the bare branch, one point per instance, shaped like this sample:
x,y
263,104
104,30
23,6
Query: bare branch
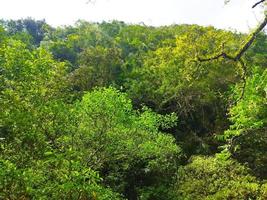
x,y
258,3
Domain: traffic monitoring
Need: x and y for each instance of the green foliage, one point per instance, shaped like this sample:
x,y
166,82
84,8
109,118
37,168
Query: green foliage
x,y
67,133
31,82
126,145
249,120
99,66
35,116
251,111
56,178
36,30
171,80
250,147
213,178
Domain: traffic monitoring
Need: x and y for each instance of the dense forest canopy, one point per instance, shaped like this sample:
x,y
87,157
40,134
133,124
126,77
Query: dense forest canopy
x,y
122,111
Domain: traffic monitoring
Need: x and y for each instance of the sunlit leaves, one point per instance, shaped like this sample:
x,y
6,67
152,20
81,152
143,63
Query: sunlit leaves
x,y
251,111
213,178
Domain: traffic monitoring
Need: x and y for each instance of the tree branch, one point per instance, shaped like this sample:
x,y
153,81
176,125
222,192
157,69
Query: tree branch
x,y
251,39
239,54
242,50
258,3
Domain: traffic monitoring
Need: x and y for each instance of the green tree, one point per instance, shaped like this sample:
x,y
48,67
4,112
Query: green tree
x,y
125,145
99,66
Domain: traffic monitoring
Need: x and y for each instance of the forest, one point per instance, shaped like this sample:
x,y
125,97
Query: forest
x,y
113,111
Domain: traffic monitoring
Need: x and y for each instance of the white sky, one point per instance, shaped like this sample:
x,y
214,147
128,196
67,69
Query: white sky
x,y
237,15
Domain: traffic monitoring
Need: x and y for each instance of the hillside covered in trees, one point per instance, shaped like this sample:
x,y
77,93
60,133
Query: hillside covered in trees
x,y
106,111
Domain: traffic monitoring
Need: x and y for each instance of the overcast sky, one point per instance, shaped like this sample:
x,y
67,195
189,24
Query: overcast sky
x,y
237,15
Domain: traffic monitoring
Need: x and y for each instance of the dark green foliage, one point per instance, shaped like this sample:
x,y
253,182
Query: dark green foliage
x,y
250,148
99,66
18,28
